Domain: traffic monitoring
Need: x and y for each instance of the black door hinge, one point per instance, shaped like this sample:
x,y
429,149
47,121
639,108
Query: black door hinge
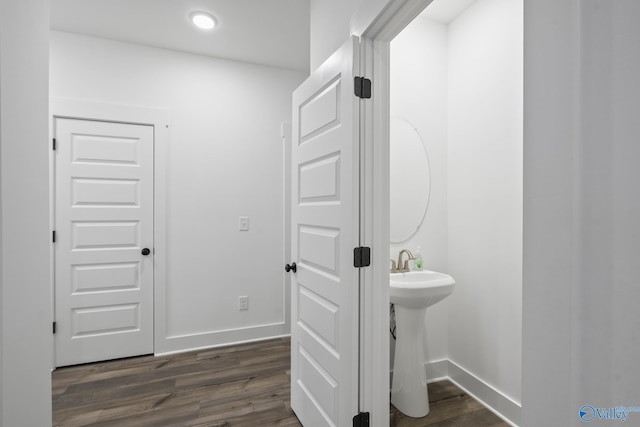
x,y
54,144
362,87
54,327
362,257
53,236
361,420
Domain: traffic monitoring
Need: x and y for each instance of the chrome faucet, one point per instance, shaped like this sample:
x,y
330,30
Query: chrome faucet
x,y
400,267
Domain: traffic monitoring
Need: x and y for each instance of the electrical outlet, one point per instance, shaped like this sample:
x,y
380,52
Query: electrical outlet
x,y
243,223
243,303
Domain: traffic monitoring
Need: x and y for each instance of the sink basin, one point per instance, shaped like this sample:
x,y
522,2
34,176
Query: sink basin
x,y
412,293
420,289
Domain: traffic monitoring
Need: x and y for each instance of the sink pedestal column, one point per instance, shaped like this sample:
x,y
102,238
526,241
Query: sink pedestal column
x,y
409,390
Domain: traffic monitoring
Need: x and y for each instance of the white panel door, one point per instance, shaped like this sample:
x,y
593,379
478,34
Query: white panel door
x,y
325,218
103,223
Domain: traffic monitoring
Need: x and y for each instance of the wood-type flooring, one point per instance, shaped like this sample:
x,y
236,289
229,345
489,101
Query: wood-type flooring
x,y
242,385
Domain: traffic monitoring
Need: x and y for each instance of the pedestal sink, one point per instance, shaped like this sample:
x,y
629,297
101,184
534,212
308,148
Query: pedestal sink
x,y
412,293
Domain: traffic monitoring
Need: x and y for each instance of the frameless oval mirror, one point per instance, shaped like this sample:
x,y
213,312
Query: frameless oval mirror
x,y
410,180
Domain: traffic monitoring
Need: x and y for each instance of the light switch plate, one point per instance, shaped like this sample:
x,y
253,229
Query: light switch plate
x,y
243,223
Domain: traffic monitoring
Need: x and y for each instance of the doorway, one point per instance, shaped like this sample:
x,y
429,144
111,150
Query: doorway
x,y
108,211
474,371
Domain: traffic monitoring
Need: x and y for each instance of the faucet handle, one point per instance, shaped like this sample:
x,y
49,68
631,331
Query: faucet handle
x,y
393,266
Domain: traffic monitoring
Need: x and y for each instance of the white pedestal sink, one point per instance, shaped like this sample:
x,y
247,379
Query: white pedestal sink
x,y
412,293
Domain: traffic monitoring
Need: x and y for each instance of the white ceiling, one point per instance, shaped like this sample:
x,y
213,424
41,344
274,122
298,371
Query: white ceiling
x,y
268,32
445,11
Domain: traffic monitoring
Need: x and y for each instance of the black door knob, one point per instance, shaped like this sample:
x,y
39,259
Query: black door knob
x,y
146,251
291,267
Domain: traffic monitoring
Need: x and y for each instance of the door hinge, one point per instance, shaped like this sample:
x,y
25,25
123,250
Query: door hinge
x,y
54,327
53,236
362,87
361,257
54,144
361,420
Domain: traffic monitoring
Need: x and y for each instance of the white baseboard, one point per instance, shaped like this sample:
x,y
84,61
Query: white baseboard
x,y
437,371
495,401
200,341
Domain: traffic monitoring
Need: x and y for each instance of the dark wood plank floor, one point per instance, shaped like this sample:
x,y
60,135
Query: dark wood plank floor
x,y
243,385
450,407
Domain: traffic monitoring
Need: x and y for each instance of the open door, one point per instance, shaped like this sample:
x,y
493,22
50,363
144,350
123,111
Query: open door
x,y
325,230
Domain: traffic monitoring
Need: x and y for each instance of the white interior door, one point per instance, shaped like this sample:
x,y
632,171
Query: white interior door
x,y
325,231
103,223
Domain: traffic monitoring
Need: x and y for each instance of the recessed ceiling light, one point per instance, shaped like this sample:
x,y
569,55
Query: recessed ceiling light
x,y
203,20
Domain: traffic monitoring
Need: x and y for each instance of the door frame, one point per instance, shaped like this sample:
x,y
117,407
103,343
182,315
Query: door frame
x,y
159,120
375,41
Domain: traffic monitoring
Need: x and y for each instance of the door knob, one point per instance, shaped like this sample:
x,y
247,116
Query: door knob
x,y
146,251
291,267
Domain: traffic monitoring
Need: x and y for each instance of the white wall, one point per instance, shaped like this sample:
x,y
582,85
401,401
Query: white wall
x,y
485,192
609,337
329,26
226,159
550,311
581,190
419,94
333,21
25,334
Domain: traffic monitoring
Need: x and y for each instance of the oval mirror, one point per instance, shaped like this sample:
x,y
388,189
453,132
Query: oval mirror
x,y
410,180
